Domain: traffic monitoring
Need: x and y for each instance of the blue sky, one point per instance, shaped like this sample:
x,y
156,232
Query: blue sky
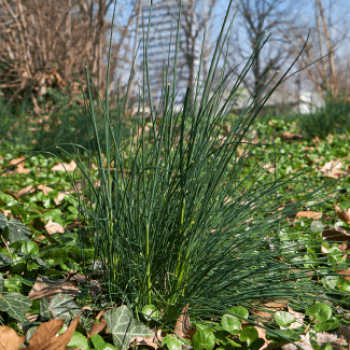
x,y
305,16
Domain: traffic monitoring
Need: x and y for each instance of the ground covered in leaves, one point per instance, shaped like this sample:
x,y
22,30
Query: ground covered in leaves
x,y
48,301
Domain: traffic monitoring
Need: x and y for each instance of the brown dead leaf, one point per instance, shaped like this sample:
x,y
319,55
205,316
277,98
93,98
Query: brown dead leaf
x,y
63,167
97,327
44,342
304,343
342,215
299,317
337,234
53,227
48,290
288,136
183,328
60,197
9,340
44,188
332,170
44,333
345,274
309,214
19,165
24,191
267,309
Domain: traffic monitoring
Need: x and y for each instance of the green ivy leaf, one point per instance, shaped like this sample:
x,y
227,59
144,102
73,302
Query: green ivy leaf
x,y
78,341
15,305
15,231
321,311
63,306
123,327
172,342
204,339
283,318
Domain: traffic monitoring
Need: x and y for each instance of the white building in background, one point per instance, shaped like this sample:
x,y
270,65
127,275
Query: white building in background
x,y
163,25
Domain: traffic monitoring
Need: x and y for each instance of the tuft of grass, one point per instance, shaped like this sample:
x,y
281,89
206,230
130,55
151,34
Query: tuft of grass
x,y
333,117
171,217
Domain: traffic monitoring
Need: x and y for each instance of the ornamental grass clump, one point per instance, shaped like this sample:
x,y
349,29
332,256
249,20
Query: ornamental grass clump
x,y
169,214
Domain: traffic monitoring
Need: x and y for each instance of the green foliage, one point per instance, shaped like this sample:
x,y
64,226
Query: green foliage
x,y
334,117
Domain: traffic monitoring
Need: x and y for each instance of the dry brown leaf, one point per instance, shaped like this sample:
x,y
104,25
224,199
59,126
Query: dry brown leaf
x,y
304,343
63,167
309,214
60,197
267,309
335,234
20,167
97,327
332,170
44,333
44,188
183,327
53,227
288,136
53,342
342,215
24,191
345,274
9,340
48,290
299,317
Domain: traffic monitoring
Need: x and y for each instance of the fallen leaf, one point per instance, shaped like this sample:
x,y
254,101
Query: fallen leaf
x,y
97,327
342,215
44,188
309,214
46,339
183,327
53,227
345,273
19,165
337,234
288,136
24,191
304,343
332,170
50,288
63,167
298,316
44,333
9,340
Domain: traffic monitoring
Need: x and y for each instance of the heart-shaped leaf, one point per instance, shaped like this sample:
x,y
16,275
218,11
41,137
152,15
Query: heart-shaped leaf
x,y
321,311
172,342
283,318
249,334
204,339
231,324
63,306
123,327
15,305
239,311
